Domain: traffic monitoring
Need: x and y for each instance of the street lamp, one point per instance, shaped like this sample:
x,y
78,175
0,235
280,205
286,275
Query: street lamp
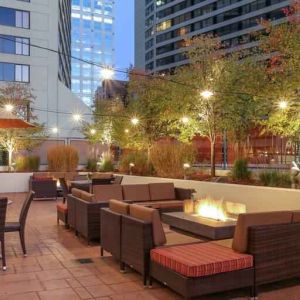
x,y
207,94
107,73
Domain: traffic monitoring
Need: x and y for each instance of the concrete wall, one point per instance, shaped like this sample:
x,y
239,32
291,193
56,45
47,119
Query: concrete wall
x,y
255,198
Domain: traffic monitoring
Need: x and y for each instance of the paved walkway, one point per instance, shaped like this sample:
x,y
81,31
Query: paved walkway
x,y
52,270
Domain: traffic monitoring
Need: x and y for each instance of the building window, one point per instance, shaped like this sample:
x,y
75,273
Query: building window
x,y
14,72
14,45
15,18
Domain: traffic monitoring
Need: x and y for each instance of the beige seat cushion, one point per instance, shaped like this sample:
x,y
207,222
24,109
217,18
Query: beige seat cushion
x,y
87,196
296,216
136,192
76,192
240,240
106,192
162,191
162,204
119,207
150,215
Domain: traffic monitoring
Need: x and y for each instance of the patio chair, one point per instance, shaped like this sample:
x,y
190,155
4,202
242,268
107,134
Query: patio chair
x,y
20,225
3,206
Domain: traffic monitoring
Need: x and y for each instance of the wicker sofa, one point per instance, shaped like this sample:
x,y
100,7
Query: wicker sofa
x,y
265,249
44,187
84,208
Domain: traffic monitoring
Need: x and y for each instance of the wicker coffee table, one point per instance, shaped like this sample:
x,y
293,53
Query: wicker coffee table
x,y
199,226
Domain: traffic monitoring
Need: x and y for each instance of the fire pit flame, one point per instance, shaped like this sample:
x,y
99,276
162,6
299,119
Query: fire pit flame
x,y
217,210
212,209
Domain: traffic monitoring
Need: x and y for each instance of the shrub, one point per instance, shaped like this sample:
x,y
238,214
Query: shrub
x,y
91,164
275,179
106,162
139,158
240,170
62,159
168,158
28,163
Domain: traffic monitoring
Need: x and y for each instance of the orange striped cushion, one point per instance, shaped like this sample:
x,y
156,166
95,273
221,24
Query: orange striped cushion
x,y
62,207
201,259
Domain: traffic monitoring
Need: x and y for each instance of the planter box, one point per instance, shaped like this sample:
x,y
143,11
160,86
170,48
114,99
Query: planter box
x,y
256,198
14,182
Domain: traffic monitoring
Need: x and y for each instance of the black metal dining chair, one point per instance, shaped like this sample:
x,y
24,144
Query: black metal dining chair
x,y
20,225
3,207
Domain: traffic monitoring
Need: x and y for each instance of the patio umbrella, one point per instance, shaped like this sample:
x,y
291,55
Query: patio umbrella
x,y
10,121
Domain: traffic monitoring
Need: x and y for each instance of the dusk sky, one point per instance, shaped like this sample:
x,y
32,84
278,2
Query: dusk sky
x,y
124,40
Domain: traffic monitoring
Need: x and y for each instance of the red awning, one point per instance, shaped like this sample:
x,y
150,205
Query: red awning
x,y
15,123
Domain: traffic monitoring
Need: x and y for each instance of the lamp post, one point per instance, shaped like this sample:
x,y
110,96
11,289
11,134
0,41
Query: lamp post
x,y
131,166
186,167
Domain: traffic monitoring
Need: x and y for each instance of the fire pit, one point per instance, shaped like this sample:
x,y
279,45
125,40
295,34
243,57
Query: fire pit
x,y
213,219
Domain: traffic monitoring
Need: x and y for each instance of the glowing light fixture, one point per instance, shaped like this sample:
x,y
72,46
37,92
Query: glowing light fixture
x,y
126,130
283,104
77,117
107,73
135,121
93,131
54,130
207,94
185,120
9,107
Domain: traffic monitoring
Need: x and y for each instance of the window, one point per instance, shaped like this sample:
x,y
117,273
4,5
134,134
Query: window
x,y
14,45
14,72
13,17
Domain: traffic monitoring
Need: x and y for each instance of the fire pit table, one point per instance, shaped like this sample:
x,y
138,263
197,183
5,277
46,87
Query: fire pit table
x,y
200,226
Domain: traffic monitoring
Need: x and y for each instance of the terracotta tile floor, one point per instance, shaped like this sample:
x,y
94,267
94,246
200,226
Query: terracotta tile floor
x,y
50,271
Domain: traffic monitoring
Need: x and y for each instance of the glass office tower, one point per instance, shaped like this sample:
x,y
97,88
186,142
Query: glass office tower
x,y
92,40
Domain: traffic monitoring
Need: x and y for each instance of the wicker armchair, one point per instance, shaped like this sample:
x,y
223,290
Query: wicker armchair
x,y
44,188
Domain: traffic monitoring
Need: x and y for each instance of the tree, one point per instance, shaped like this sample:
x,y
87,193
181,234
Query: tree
x,y
148,104
216,94
108,121
13,140
19,96
281,43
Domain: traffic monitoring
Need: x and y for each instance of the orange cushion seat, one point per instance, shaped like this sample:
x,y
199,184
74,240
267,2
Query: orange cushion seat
x,y
62,207
201,259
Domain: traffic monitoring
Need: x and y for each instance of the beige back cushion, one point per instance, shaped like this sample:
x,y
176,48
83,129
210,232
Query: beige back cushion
x,y
119,207
296,216
240,240
136,192
162,191
106,192
87,196
76,192
150,215
102,175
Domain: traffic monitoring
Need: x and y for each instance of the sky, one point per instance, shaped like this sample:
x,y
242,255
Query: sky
x,y
124,30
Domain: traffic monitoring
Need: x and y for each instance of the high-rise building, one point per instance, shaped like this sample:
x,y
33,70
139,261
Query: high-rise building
x,y
159,46
27,28
92,40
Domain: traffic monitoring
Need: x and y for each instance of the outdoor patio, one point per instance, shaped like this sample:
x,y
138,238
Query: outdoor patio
x,y
52,269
